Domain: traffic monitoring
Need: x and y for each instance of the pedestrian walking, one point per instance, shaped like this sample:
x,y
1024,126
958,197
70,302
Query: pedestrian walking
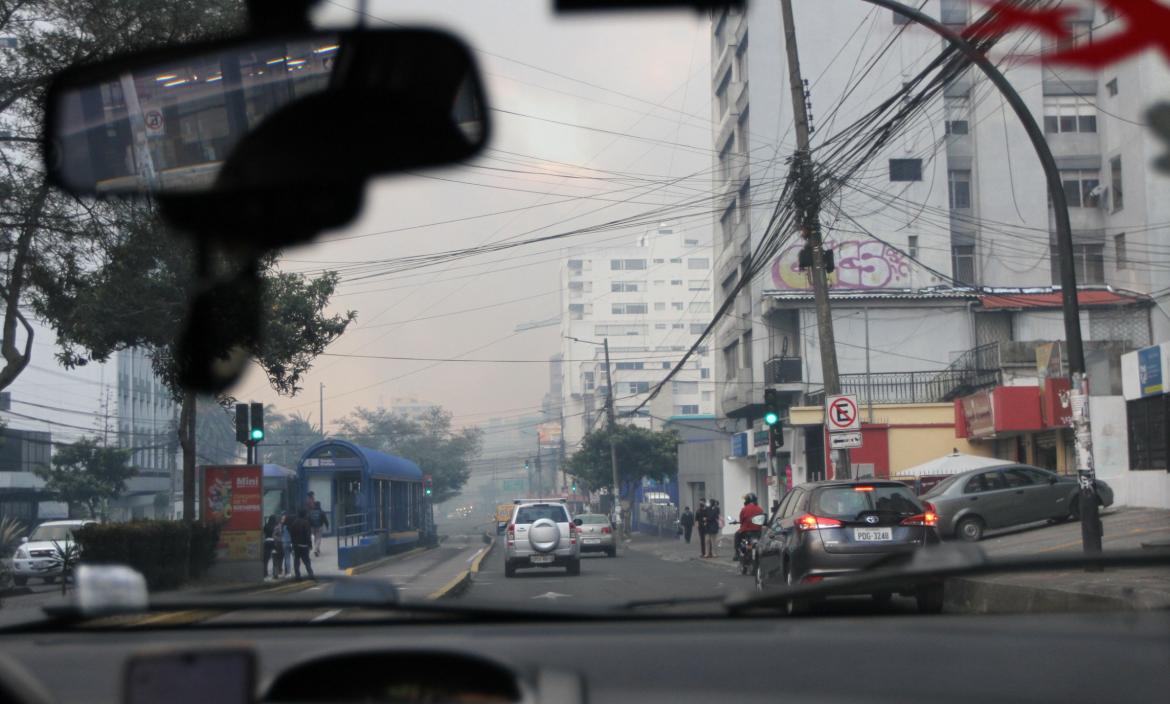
x,y
302,540
270,526
317,521
310,501
687,521
714,523
286,549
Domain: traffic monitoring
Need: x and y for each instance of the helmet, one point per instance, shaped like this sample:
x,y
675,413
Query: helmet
x,y
749,498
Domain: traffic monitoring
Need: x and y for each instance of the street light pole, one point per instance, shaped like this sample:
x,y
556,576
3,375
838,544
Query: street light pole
x,y
613,463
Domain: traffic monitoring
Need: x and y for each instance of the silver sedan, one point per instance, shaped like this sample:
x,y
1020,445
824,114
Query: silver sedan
x,y
596,534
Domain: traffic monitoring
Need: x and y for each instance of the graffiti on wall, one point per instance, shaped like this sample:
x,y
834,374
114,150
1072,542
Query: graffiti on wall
x,y
860,264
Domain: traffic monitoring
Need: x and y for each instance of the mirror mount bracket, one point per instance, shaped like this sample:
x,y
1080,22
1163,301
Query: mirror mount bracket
x,y
279,16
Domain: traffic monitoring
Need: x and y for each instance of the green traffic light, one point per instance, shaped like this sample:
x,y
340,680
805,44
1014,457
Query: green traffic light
x,y
257,434
771,418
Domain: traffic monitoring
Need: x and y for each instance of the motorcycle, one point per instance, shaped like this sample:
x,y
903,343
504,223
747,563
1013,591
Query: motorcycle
x,y
745,552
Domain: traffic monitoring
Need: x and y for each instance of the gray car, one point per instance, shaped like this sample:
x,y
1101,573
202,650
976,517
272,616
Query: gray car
x,y
596,534
983,499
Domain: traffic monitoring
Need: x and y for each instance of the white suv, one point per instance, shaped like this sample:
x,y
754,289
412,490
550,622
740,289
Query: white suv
x,y
38,555
541,534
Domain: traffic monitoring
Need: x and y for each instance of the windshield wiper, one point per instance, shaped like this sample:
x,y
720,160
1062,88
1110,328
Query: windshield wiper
x,y
945,562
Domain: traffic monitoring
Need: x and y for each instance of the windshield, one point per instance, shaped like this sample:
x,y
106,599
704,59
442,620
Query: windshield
x,y
849,503
619,309
47,533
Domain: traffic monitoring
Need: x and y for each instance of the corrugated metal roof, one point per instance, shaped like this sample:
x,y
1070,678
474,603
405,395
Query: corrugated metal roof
x,y
1000,301
922,294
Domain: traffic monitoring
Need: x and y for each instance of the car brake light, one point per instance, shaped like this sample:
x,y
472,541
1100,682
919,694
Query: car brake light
x,y
929,518
811,522
812,579
863,488
606,529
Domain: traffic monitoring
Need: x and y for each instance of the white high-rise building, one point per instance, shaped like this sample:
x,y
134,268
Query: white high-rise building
x,y
651,300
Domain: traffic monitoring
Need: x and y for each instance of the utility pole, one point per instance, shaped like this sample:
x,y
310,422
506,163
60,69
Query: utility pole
x,y
539,473
613,463
321,407
808,216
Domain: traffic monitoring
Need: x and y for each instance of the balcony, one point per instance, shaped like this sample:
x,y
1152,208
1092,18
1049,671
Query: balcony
x,y
906,387
783,370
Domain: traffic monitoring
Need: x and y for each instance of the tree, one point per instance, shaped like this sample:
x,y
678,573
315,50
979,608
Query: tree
x,y
87,474
40,227
641,453
137,295
427,439
286,437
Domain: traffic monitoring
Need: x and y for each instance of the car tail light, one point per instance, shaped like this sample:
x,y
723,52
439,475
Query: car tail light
x,y
812,579
510,533
811,522
606,529
573,530
928,518
863,488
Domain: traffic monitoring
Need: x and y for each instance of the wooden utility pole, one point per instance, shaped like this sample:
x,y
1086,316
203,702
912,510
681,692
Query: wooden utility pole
x,y
808,217
613,463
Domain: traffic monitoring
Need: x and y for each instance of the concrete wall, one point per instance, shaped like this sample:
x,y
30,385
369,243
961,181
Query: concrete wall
x,y
1149,488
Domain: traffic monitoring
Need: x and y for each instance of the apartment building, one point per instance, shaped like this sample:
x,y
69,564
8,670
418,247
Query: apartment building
x,y
947,278
651,299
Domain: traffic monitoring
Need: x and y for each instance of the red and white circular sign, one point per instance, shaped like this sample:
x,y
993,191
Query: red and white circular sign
x,y
842,413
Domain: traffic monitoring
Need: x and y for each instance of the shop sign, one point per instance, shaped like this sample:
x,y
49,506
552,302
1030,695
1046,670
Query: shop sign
x,y
980,414
1055,406
739,444
1150,371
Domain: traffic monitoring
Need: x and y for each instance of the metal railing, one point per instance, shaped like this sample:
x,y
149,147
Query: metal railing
x,y
351,530
905,387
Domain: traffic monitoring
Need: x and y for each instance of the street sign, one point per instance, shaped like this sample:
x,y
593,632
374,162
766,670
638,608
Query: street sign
x,y
841,414
844,441
154,122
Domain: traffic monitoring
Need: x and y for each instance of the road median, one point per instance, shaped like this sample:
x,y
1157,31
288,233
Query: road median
x,y
463,580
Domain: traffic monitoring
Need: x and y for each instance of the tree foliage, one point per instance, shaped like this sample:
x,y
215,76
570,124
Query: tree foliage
x,y
641,453
286,437
428,439
87,474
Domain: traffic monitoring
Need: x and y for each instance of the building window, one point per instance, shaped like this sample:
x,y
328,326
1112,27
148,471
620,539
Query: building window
x,y
1081,188
698,285
721,97
685,387
690,243
575,264
698,328
912,246
629,309
699,263
741,60
727,224
659,326
729,283
676,282
627,264
625,286
660,306
576,311
705,373
959,189
1111,88
1147,420
725,158
1088,262
676,260
905,169
666,365
747,350
741,134
659,261
1119,252
1069,114
1080,33
588,380
699,307
629,366
689,409
677,326
1115,180
963,263
638,387
958,112
730,360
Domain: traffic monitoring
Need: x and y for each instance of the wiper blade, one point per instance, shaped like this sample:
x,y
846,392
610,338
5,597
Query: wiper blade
x,y
933,564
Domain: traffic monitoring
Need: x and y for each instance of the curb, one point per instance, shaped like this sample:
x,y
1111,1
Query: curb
x,y
987,596
382,561
463,580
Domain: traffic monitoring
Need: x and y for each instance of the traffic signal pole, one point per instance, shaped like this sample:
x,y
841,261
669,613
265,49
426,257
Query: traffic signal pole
x,y
808,216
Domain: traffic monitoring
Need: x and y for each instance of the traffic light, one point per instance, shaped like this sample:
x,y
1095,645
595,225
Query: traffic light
x,y
771,407
526,465
574,487
242,422
428,485
257,423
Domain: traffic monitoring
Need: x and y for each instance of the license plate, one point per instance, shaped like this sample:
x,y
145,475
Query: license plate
x,y
541,559
593,541
869,535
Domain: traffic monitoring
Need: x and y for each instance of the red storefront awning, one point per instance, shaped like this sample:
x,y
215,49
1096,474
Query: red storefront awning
x,y
1001,301
1007,410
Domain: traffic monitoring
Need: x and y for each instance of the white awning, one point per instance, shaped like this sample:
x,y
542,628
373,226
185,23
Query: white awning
x,y
953,463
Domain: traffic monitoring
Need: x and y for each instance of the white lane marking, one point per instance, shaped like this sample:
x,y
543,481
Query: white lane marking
x,y
552,595
312,589
326,616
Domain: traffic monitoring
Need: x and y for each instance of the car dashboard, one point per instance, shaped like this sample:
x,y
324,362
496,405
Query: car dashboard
x,y
1001,658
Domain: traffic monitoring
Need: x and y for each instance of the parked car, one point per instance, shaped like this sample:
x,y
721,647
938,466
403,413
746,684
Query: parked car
x,y
541,534
972,502
832,529
38,555
596,534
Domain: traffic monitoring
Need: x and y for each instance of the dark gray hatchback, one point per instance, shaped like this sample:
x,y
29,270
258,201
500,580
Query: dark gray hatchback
x,y
829,529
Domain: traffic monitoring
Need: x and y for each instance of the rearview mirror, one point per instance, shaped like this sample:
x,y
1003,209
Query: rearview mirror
x,y
265,114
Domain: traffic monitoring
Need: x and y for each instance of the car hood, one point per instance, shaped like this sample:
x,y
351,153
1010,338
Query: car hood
x,y
44,545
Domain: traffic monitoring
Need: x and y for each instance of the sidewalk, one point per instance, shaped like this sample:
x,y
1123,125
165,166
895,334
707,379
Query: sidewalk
x,y
675,550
